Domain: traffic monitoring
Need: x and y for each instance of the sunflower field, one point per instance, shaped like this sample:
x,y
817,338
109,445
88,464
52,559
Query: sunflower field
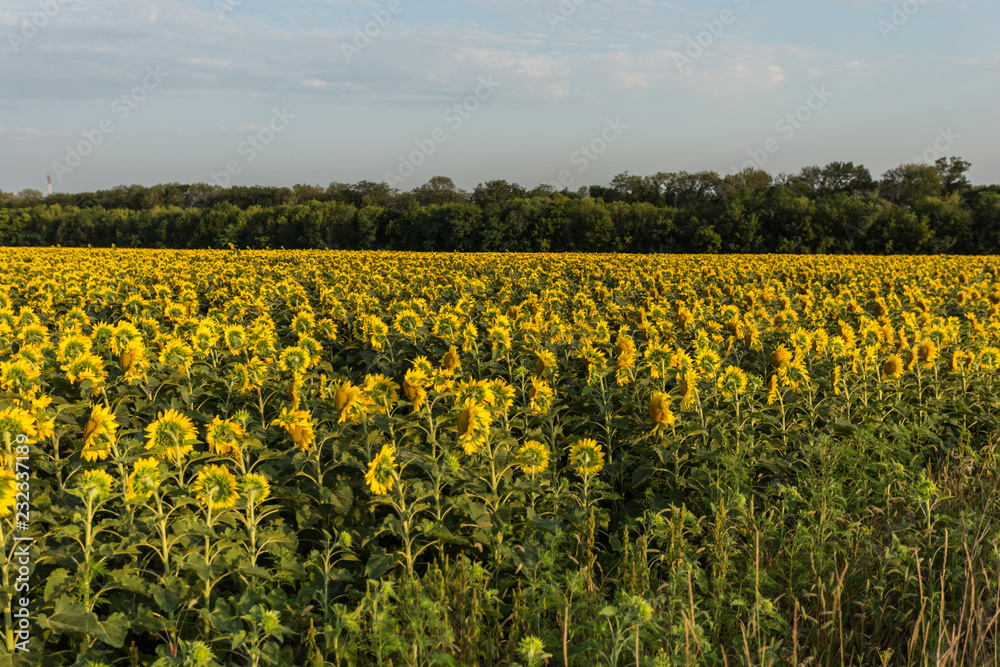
x,y
374,458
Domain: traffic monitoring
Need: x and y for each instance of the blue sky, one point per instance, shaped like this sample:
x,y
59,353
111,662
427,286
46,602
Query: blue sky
x,y
253,92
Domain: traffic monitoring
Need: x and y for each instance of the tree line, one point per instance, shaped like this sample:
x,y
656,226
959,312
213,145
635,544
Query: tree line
x,y
839,208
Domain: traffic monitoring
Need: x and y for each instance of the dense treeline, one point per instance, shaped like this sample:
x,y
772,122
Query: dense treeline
x,y
839,208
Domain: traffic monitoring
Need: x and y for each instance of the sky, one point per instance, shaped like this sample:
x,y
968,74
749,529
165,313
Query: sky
x,y
101,93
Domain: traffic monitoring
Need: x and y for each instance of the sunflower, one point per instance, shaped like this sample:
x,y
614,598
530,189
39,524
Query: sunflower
x,y
224,436
134,351
381,391
16,422
298,426
595,359
795,375
469,337
624,365
380,471
500,395
959,361
99,433
85,367
350,402
205,337
540,396
659,358
499,338
533,457
473,426
772,389
304,322
239,379
73,346
423,365
143,479
312,348
587,457
732,382
171,435
780,357
687,383
294,359
256,488
216,487
835,380
235,337
450,361
446,326
262,341
8,491
44,424
660,412
95,484
893,367
18,376
406,323
103,336
294,390
989,358
176,354
927,352
33,334
414,387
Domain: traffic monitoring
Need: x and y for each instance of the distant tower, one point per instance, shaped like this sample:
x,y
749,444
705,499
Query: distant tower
x,y
50,184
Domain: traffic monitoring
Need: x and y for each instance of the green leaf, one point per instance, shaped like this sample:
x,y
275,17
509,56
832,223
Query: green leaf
x,y
168,597
71,616
238,639
54,582
378,564
640,475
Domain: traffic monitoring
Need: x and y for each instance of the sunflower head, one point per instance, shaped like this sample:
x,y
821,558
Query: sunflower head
x,y
587,457
533,457
298,425
960,361
16,422
350,402
235,337
172,435
294,359
380,471
94,484
451,361
143,479
687,383
99,433
73,346
85,367
216,487
381,391
540,396
18,376
893,367
224,436
473,425
8,491
927,352
414,387
780,357
732,382
176,354
256,488
659,410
